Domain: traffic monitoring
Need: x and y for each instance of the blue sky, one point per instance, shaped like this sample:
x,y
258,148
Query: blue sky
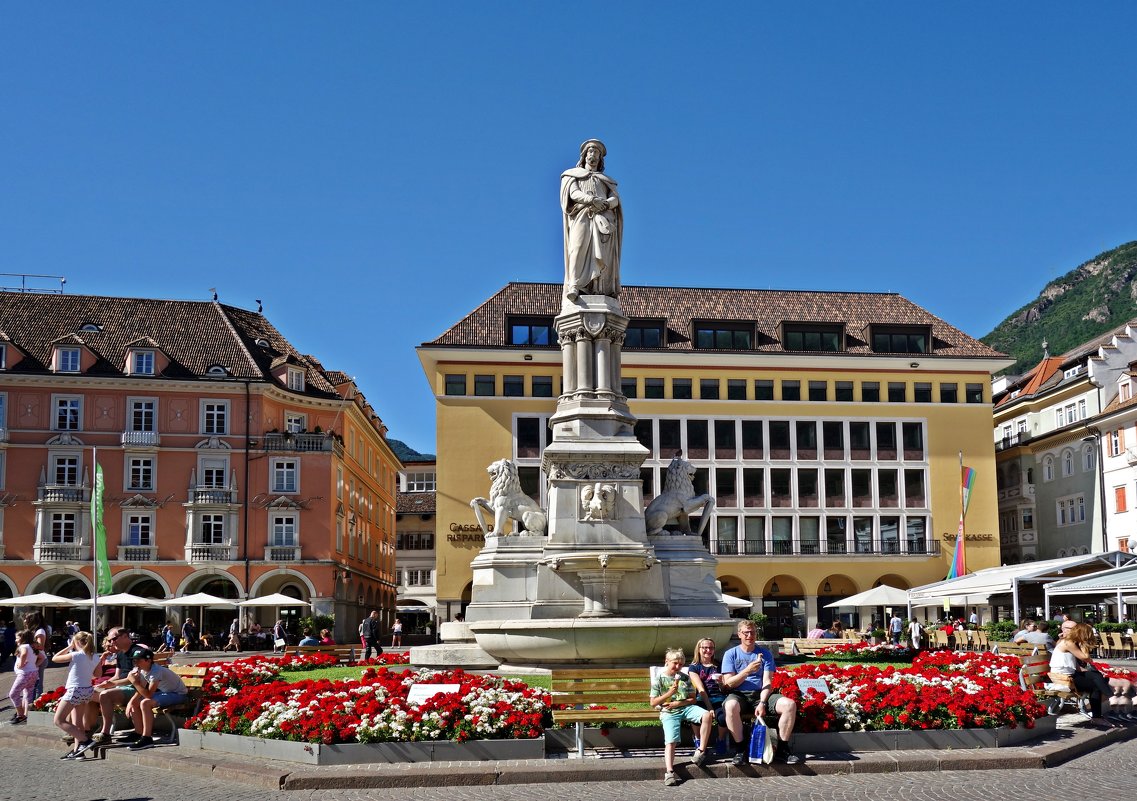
x,y
373,171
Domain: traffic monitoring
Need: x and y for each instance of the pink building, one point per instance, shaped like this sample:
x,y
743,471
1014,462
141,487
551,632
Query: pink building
x,y
233,464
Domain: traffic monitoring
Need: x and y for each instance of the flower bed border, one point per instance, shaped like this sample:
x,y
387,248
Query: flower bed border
x,y
191,740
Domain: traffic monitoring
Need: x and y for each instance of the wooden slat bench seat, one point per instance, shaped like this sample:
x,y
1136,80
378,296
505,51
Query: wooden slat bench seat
x,y
629,687
1034,673
806,647
194,679
1019,649
345,654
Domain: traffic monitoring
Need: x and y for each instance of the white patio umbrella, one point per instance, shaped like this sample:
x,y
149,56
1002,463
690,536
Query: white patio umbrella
x,y
123,600
734,602
200,599
883,595
43,599
276,599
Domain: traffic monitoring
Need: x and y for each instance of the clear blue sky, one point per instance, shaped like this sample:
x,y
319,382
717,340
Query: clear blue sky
x,y
373,171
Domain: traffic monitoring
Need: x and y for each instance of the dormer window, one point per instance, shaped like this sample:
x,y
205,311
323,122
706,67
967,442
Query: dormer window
x,y
1125,391
67,360
534,332
90,327
3,356
142,362
1072,372
812,337
724,336
216,371
295,379
901,339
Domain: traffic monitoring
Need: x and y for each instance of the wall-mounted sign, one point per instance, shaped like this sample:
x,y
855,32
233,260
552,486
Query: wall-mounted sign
x,y
465,532
969,537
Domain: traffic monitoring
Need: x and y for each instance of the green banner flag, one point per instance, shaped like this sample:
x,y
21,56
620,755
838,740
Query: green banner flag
x,y
103,584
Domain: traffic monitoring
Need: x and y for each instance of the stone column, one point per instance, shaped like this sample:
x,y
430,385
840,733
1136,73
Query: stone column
x,y
568,363
603,363
584,380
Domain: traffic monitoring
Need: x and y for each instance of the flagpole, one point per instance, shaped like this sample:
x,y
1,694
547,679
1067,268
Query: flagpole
x,y
94,547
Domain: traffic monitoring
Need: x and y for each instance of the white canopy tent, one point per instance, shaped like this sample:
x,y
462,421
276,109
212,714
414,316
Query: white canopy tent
x,y
1112,583
978,587
44,599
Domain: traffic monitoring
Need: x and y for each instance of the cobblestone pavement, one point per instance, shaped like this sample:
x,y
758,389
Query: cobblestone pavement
x,y
32,773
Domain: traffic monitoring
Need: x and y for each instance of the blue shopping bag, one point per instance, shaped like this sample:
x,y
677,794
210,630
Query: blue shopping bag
x,y
761,744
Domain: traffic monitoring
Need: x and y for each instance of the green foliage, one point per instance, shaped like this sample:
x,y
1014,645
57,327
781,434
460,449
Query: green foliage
x,y
1001,631
317,623
1120,628
1086,302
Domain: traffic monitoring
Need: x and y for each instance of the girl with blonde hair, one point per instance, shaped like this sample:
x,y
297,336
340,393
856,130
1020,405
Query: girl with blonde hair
x,y
80,653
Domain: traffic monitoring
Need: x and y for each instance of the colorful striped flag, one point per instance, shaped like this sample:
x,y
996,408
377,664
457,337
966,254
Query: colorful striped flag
x,y
103,583
959,558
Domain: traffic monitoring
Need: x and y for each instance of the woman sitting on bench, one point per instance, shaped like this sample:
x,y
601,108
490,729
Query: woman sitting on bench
x,y
1070,666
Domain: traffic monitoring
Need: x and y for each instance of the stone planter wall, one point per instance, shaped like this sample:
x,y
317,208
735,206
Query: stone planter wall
x,y
919,740
356,753
613,737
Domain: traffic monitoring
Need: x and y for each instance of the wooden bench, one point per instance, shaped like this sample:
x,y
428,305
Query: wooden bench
x,y
1019,649
344,654
794,646
595,686
193,677
1034,676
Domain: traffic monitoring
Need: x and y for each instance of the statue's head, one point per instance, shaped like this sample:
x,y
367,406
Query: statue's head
x,y
592,153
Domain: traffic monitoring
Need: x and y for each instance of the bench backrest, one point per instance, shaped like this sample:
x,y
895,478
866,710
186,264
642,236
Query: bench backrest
x,y
192,676
601,686
1034,670
1019,648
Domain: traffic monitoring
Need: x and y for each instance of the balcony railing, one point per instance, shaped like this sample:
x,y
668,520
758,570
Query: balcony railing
x,y
3,434
212,495
138,553
282,553
1013,441
210,553
64,493
140,439
782,548
62,552
277,441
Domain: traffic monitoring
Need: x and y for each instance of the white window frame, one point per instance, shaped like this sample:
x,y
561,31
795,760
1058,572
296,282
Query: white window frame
x,y
1059,417
278,468
295,422
134,405
1067,463
207,464
216,523
142,520
283,529
1070,510
1115,442
295,379
211,409
421,481
58,405
65,357
59,524
56,459
1081,408
128,477
142,362
1089,458
1048,468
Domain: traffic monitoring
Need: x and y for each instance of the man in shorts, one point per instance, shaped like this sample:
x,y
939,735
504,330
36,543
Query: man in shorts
x,y
747,671
117,690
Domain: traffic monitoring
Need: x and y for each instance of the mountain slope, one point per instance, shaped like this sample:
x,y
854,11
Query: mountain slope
x,y
1078,306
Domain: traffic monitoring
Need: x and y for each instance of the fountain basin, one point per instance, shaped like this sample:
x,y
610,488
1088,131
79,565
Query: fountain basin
x,y
602,641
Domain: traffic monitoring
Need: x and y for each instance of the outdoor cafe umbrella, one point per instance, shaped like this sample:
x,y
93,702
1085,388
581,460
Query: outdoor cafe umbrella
x,y
276,599
123,599
43,599
734,602
200,600
883,595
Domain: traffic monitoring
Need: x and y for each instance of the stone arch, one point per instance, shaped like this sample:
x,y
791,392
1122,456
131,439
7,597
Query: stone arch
x,y
893,580
788,587
840,586
136,578
53,579
733,585
7,588
273,580
202,578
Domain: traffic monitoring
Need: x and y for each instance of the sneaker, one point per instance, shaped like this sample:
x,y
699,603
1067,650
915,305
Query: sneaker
x,y
140,743
671,780
787,757
129,737
69,755
83,747
700,758
739,759
18,719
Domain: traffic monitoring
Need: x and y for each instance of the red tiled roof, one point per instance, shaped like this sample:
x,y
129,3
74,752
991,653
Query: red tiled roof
x,y
414,503
194,335
679,307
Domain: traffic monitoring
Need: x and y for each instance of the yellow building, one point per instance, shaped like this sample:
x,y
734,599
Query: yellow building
x,y
828,426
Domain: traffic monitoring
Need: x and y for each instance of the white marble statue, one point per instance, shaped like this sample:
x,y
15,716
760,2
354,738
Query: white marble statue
x,y
678,500
593,225
507,502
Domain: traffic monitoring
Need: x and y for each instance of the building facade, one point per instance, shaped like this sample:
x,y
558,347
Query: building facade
x,y
827,426
232,463
415,554
1060,454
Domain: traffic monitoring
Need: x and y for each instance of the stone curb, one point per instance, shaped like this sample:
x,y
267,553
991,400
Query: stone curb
x,y
1065,744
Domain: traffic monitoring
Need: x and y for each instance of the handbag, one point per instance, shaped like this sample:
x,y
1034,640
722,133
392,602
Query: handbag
x,y
761,744
279,642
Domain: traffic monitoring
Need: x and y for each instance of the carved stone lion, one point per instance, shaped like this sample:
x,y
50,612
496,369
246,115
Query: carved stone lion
x,y
678,500
507,502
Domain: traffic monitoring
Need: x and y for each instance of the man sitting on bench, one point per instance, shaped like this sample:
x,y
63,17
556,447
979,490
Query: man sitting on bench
x,y
155,686
747,671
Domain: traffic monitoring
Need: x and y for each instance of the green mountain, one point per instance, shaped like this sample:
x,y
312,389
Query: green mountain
x,y
1090,300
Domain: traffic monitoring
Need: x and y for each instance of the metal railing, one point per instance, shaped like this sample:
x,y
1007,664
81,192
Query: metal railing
x,y
783,548
140,439
277,441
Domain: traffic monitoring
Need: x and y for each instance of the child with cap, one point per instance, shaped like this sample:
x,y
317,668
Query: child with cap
x,y
155,686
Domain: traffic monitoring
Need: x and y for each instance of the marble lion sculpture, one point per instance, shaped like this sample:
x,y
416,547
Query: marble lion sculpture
x,y
507,502
678,500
